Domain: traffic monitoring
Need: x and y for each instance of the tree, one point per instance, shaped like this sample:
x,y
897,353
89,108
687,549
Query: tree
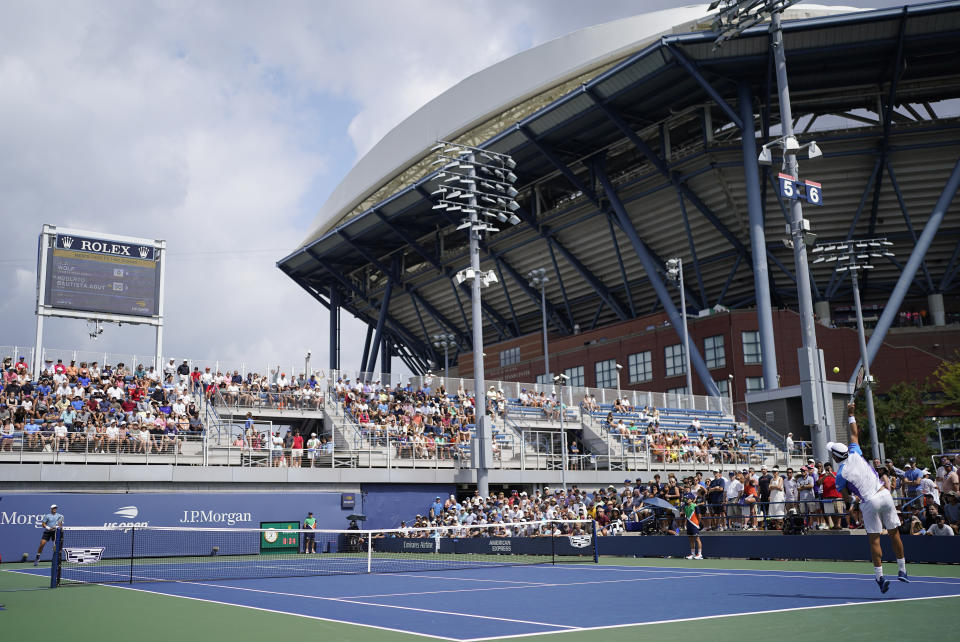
x,y
902,425
947,377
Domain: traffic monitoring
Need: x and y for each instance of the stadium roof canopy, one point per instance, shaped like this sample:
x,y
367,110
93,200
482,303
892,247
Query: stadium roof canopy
x,y
601,118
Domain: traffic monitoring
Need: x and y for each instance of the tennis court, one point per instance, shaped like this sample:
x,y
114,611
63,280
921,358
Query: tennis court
x,y
711,597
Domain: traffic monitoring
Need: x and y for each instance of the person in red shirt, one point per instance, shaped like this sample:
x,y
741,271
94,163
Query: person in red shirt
x,y
750,498
833,506
296,452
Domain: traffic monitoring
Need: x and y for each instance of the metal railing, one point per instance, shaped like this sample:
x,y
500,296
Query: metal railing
x,y
258,400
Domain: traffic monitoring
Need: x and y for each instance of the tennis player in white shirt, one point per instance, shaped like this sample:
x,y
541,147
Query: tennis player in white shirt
x,y
856,476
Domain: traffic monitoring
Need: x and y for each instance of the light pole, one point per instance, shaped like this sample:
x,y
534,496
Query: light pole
x,y
483,191
734,17
445,341
538,280
853,256
675,272
306,365
619,369
560,380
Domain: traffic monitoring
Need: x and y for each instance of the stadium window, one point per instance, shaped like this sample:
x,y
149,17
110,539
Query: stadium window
x,y
606,373
545,378
576,376
713,352
754,384
509,357
751,347
640,366
682,390
675,360
723,385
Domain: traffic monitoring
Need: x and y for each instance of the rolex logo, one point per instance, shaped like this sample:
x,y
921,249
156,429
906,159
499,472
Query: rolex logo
x,y
66,241
143,251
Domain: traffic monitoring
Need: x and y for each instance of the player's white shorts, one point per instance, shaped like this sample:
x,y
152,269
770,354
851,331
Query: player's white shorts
x,y
879,512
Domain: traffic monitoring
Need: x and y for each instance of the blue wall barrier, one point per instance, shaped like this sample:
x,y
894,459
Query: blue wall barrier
x,y
578,546
386,505
918,548
20,513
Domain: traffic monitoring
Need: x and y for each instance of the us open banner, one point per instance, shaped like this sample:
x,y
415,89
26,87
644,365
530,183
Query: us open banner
x,y
20,514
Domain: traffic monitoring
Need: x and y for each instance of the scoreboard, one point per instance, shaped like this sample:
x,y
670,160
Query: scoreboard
x,y
99,275
279,537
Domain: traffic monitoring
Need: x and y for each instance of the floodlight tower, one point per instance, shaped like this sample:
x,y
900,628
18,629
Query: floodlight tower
x,y
734,17
675,272
853,256
483,191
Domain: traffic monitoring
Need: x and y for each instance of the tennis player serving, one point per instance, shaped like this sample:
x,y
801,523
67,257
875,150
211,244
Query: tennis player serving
x,y
50,523
856,476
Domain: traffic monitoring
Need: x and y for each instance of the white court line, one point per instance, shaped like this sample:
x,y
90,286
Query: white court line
x,y
532,586
621,568
303,615
706,617
387,606
459,579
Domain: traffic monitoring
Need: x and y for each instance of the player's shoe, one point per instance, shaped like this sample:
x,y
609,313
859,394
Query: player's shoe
x,y
698,557
902,576
884,584
690,556
36,562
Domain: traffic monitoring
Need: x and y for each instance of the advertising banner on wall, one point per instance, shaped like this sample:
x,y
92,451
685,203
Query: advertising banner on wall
x,y
20,514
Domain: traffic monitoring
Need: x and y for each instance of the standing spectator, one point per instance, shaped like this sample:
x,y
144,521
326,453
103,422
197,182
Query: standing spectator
x,y
763,485
805,496
911,479
296,451
833,506
776,501
789,446
951,482
715,493
313,446
733,491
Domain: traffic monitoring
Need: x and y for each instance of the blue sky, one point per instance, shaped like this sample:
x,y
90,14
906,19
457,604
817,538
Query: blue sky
x,y
222,127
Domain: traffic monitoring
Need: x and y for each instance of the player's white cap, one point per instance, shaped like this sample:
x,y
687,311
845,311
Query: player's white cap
x,y
52,506
837,450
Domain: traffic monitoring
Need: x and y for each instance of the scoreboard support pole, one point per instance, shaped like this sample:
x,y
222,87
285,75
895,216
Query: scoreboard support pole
x,y
45,235
158,348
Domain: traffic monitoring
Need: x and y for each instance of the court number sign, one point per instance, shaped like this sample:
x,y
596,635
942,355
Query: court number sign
x,y
810,191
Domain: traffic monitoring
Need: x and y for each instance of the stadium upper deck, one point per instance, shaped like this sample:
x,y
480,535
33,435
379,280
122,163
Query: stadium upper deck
x,y
603,118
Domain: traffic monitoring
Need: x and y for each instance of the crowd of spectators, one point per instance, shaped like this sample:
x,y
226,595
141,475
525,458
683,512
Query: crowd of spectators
x,y
792,501
423,422
254,390
92,408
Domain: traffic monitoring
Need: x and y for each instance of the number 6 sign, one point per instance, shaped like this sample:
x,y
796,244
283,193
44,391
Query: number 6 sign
x,y
814,193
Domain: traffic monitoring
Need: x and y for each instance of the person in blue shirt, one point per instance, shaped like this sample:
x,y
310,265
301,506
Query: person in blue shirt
x,y
856,476
51,522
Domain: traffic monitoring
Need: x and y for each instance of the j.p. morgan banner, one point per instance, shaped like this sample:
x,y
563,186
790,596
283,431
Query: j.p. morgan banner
x,y
20,514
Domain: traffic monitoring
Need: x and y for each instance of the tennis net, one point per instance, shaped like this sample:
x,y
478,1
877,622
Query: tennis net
x,y
97,555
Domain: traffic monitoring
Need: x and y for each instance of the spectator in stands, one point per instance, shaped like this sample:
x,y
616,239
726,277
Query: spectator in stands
x,y
951,509
940,527
715,492
834,507
806,499
776,500
734,489
911,479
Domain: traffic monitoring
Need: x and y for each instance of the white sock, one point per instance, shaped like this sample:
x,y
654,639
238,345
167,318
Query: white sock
x,y
878,571
692,552
902,564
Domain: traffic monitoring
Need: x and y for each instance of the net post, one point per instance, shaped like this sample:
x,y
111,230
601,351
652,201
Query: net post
x,y
596,543
133,534
55,562
369,551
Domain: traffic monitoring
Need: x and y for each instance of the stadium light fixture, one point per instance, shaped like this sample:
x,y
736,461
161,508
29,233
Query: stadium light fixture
x,y
482,181
732,19
674,269
445,341
538,280
849,258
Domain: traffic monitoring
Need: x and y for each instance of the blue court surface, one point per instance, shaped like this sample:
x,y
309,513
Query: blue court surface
x,y
496,603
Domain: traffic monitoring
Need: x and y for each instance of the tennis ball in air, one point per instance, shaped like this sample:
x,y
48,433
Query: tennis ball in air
x,y
836,370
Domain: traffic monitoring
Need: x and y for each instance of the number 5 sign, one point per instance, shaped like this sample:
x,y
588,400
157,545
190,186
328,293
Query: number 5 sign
x,y
809,191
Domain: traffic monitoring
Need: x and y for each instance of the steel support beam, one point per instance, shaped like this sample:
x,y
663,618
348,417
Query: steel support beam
x,y
892,308
381,320
758,241
366,349
693,252
692,69
908,221
651,268
521,281
623,269
599,286
563,289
